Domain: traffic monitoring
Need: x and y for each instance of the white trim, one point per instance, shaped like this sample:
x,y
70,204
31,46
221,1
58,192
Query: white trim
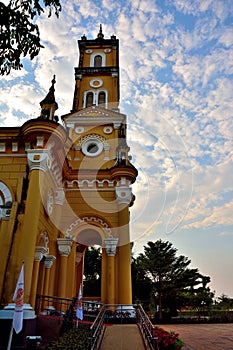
x,y
95,97
94,81
92,58
96,143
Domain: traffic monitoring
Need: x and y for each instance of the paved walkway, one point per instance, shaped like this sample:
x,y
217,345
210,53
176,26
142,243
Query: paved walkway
x,y
122,337
204,336
195,336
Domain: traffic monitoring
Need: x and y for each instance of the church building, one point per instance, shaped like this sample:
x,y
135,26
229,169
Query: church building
x,y
66,185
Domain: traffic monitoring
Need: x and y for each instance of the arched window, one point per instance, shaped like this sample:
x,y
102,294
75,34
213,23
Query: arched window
x,y
5,201
101,98
98,61
89,99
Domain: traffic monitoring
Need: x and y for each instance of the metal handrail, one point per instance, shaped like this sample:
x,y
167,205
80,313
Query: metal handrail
x,y
96,329
56,306
147,328
52,305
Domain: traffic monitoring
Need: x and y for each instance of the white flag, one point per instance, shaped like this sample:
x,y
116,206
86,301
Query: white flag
x,y
18,299
79,310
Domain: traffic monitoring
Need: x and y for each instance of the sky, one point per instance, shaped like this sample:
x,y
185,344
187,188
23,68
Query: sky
x,y
176,87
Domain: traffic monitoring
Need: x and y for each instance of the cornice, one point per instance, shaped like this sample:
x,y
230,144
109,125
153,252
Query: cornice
x,y
94,114
89,183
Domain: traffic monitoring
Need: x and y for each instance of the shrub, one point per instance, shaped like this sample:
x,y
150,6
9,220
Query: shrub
x,y
74,339
167,340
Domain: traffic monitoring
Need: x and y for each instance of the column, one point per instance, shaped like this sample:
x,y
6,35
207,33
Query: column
x,y
48,263
103,276
64,247
37,160
71,275
110,245
38,256
124,197
79,263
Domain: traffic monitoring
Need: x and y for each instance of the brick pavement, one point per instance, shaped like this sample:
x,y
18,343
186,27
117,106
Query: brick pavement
x,y
204,336
195,336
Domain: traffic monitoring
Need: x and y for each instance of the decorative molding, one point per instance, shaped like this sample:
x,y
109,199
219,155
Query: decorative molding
x,y
2,147
89,219
92,147
79,256
90,183
55,170
79,129
27,146
110,245
107,129
96,83
123,191
5,213
40,252
49,259
103,117
92,58
40,141
117,125
115,75
59,196
14,146
38,159
90,137
64,246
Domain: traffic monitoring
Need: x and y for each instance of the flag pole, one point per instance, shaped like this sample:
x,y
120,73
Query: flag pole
x,y
10,337
17,321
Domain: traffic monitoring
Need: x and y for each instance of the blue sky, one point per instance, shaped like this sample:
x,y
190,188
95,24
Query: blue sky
x,y
176,60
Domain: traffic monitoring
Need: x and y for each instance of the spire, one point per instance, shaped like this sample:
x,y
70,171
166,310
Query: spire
x,y
49,104
100,35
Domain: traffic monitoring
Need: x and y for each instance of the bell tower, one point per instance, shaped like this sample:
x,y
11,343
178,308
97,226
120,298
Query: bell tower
x,y
98,175
97,76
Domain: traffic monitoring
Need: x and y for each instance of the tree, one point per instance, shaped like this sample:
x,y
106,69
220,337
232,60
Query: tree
x,y
92,271
19,34
225,303
171,276
141,283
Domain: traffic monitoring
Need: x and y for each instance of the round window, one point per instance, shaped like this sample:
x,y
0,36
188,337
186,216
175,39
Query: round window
x,y
96,83
92,147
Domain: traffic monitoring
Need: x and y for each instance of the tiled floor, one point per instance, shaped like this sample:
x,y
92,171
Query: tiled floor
x,y
204,336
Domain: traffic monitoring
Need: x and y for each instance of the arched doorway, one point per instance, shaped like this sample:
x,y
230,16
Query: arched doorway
x,y
89,261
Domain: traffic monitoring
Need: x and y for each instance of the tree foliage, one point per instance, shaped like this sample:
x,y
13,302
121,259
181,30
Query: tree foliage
x,y
19,34
173,283
92,271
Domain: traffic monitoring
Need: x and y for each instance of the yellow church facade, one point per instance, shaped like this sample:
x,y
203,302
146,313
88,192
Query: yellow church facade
x,y
67,186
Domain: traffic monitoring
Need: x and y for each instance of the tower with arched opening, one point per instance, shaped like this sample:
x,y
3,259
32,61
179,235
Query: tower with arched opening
x,y
65,187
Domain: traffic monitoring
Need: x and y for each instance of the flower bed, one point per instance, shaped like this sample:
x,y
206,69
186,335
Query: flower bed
x,y
167,340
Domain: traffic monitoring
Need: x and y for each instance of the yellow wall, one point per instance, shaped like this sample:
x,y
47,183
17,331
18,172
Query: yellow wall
x,y
87,207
